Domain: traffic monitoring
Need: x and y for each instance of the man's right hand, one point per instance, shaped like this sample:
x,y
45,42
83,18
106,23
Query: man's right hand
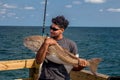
x,y
50,41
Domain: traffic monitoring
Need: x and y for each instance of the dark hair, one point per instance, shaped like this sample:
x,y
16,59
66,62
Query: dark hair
x,y
61,21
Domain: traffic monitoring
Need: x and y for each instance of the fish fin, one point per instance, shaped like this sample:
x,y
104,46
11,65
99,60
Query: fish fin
x,y
93,64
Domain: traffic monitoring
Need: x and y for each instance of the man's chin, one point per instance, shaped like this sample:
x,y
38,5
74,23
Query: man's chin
x,y
53,37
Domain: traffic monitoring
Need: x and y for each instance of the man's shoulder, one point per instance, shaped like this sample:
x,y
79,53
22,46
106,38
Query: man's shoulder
x,y
69,40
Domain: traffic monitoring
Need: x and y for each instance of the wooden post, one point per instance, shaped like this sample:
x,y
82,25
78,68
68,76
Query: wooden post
x,y
35,72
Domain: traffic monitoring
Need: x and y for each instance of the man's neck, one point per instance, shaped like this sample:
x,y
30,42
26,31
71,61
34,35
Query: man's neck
x,y
58,38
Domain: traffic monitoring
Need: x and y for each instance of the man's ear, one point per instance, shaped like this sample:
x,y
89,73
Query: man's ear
x,y
62,30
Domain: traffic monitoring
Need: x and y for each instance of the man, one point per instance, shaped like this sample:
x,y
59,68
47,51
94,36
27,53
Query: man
x,y
51,70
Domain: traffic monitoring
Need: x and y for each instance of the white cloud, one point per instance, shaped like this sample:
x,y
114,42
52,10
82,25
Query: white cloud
x,y
16,17
3,16
29,8
9,6
68,6
95,1
76,2
11,14
43,2
0,3
2,11
47,14
101,10
113,10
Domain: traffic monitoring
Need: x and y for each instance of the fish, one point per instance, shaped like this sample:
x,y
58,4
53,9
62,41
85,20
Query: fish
x,y
59,55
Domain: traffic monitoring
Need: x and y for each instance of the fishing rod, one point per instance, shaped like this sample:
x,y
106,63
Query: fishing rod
x,y
43,28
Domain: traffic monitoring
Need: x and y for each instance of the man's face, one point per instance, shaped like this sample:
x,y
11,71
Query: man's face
x,y
55,31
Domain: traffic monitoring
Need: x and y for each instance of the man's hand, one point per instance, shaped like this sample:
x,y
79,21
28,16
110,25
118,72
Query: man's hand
x,y
77,68
83,62
50,41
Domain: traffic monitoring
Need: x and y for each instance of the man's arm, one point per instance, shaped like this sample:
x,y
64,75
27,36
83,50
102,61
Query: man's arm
x,y
81,64
42,52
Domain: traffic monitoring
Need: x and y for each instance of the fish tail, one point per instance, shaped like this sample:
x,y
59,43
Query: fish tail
x,y
93,65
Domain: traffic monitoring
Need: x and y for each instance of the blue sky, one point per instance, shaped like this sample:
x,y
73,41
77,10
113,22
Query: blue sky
x,y
90,13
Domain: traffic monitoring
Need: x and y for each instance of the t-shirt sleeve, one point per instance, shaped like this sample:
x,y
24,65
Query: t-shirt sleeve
x,y
73,48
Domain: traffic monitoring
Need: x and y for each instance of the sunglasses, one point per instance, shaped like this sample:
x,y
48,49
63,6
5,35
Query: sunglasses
x,y
54,29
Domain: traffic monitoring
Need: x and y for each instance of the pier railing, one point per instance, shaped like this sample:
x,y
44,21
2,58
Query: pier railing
x,y
33,70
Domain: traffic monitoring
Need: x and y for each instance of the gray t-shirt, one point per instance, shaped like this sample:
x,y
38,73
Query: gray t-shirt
x,y
54,71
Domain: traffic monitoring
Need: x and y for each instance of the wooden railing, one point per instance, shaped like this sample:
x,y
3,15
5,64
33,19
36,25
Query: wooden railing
x,y
33,70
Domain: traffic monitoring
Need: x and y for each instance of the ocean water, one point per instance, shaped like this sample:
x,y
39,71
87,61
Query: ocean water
x,y
102,42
